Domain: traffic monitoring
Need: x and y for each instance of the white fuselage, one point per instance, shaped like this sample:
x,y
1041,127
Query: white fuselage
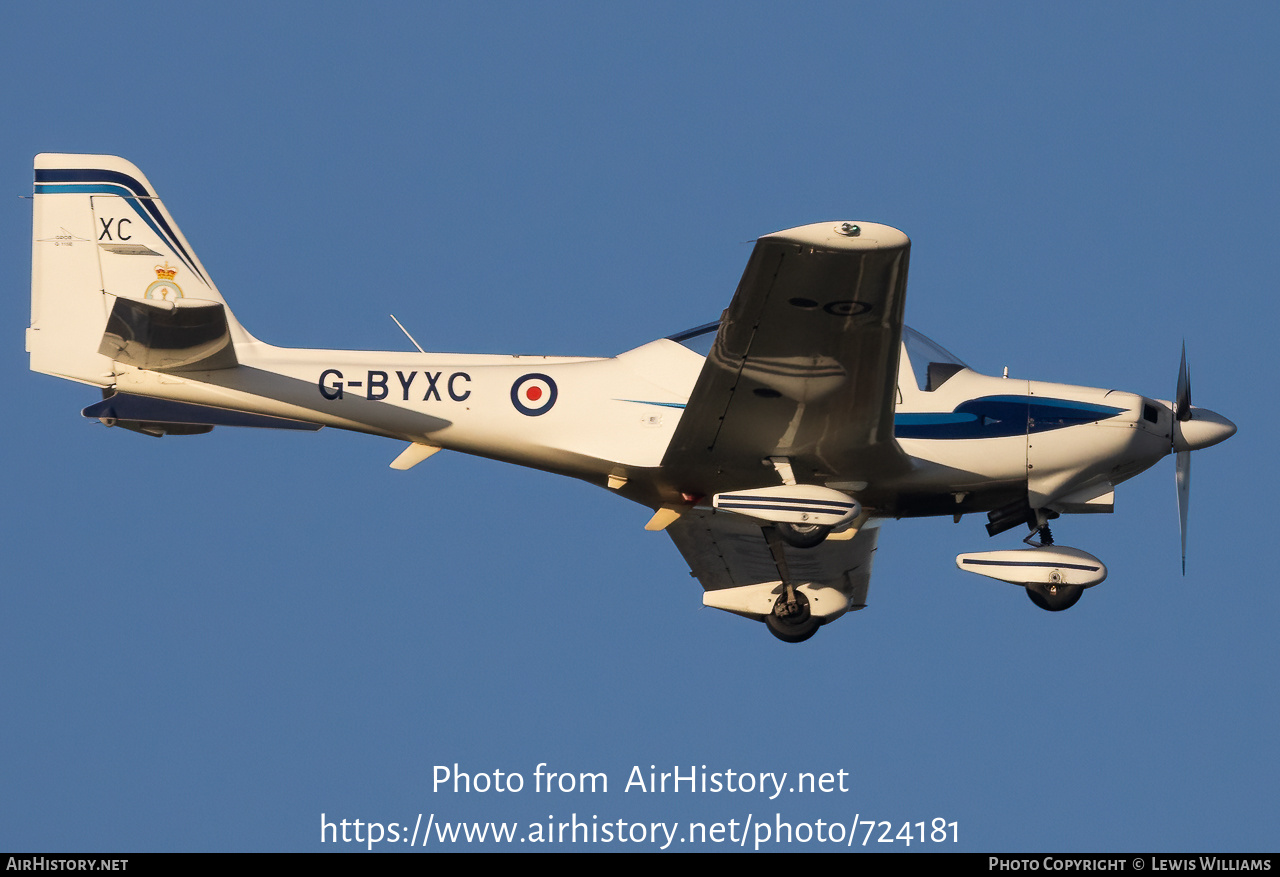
x,y
597,418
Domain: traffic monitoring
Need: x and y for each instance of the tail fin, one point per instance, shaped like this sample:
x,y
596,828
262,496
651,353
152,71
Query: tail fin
x,y
104,246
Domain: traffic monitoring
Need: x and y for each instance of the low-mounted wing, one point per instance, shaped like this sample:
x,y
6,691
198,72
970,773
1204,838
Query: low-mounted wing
x,y
729,552
804,366
800,387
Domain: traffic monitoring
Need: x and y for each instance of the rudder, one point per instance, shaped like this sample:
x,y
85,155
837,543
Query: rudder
x,y
99,233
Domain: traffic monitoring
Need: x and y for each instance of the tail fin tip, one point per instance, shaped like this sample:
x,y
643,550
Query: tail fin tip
x,y
101,233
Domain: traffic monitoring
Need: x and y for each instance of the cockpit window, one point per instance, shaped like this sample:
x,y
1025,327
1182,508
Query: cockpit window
x,y
931,363
698,339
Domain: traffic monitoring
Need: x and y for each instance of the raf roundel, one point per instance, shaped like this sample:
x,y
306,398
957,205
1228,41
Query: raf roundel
x,y
533,394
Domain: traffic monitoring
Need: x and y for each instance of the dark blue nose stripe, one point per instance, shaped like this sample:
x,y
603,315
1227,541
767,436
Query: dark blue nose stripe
x,y
1000,417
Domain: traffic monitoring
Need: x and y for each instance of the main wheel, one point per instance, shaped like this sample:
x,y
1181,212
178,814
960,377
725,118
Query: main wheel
x,y
791,633
792,622
1054,598
802,535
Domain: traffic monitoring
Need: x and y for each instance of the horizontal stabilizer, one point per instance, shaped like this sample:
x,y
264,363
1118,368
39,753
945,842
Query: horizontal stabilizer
x,y
160,416
182,335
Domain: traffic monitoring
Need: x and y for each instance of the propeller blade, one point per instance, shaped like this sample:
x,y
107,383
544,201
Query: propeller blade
x,y
1182,403
1183,474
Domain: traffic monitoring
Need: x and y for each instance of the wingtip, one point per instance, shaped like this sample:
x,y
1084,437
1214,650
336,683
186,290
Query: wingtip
x,y
844,236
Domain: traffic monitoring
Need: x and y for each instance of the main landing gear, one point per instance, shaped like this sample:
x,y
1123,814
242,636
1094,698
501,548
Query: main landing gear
x,y
802,535
791,620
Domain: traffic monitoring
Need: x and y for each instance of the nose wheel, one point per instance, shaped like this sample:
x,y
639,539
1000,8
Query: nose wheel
x,y
1054,597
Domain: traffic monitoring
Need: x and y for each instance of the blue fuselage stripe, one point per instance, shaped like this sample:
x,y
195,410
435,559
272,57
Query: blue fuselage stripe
x,y
659,404
1000,417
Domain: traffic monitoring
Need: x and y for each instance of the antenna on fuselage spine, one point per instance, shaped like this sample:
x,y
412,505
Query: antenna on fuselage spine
x,y
406,333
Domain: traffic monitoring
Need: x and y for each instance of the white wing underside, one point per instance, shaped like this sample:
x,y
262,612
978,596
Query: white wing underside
x,y
730,551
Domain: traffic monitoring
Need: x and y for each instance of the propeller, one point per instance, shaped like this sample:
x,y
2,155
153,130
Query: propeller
x,y
1182,414
1193,429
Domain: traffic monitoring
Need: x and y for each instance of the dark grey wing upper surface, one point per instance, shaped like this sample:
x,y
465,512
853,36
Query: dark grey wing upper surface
x,y
804,365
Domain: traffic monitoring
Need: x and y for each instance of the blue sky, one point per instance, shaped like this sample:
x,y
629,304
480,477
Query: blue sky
x,y
210,641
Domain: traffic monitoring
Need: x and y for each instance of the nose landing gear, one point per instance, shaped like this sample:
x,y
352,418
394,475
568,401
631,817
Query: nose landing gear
x,y
1054,596
1054,576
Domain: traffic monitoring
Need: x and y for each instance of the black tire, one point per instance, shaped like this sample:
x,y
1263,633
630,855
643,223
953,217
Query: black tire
x,y
792,633
802,535
1066,596
796,627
